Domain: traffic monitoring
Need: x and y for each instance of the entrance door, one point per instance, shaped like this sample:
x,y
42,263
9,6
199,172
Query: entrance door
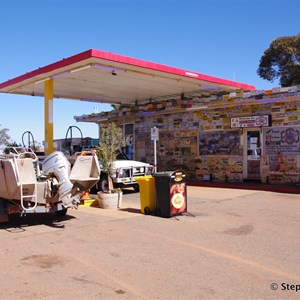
x,y
252,153
129,133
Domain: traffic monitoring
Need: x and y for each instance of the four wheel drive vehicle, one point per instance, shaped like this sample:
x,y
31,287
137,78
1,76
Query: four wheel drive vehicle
x,y
124,173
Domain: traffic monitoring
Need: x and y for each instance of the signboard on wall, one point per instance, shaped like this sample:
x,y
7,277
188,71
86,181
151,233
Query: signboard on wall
x,y
225,142
154,134
281,140
250,121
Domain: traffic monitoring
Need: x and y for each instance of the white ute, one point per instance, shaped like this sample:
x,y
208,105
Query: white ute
x,y
124,173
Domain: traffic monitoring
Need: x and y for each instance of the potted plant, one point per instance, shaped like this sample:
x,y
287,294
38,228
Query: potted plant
x,y
111,140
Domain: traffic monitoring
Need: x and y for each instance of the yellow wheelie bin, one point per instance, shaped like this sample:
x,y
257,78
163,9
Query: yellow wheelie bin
x,y
147,194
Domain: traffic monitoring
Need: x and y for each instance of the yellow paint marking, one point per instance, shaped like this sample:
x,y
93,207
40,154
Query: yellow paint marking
x,y
236,259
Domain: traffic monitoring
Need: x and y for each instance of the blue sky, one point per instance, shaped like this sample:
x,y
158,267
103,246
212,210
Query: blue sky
x,y
223,38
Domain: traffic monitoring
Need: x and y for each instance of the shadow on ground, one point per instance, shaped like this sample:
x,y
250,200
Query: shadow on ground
x,y
131,210
17,223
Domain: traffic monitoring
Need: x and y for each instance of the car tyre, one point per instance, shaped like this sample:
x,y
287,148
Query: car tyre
x,y
103,184
136,188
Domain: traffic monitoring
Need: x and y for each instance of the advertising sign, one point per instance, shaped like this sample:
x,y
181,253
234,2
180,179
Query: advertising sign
x,y
249,122
170,191
281,140
177,194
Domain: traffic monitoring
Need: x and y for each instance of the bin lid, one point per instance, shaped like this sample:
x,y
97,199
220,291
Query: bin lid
x,y
143,178
171,174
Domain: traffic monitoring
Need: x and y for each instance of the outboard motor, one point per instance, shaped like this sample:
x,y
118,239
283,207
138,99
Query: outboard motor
x,y
57,165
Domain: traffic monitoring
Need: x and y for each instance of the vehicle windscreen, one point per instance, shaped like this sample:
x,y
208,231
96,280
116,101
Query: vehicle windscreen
x,y
121,155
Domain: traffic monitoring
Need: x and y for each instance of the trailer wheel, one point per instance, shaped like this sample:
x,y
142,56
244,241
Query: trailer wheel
x,y
4,218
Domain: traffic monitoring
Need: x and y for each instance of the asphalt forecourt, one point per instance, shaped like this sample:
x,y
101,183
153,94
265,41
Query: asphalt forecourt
x,y
231,244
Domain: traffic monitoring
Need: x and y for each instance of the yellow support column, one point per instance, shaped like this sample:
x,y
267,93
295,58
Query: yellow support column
x,y
48,116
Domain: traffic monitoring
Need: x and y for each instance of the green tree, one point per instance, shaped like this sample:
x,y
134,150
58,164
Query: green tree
x,y
111,140
4,137
282,61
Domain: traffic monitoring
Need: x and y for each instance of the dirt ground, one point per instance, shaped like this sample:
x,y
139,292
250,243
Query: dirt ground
x,y
231,244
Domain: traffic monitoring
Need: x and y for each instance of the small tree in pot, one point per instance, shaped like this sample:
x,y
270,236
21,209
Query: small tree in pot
x,y
111,140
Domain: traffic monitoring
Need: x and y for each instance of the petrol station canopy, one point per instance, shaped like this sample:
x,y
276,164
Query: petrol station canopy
x,y
104,77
